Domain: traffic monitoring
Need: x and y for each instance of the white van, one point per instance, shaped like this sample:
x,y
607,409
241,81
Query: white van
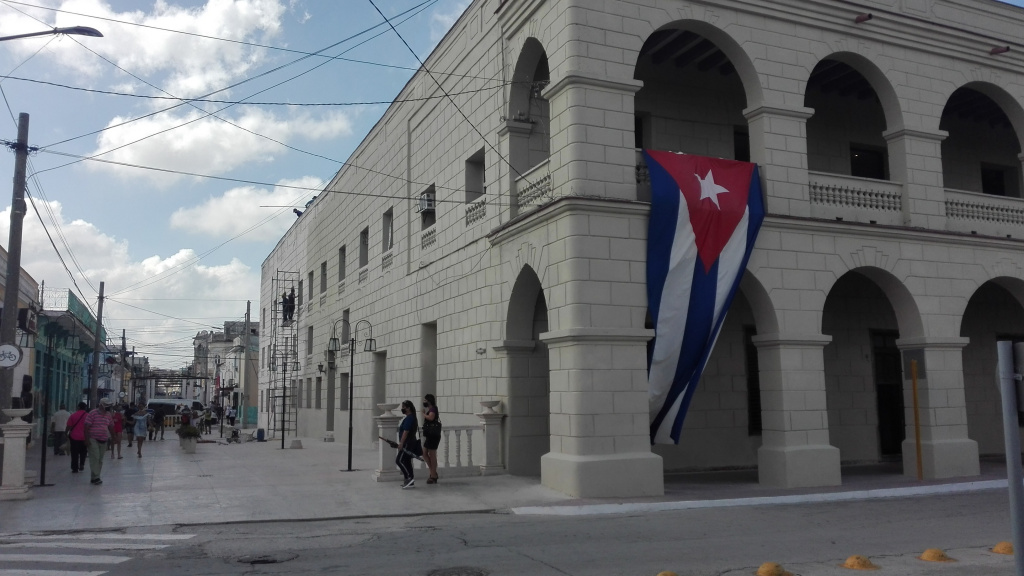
x,y
172,405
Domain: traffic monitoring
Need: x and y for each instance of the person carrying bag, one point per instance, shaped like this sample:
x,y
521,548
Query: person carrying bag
x,y
431,435
408,444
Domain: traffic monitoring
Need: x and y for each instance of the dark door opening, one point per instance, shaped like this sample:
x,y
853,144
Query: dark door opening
x,y
888,392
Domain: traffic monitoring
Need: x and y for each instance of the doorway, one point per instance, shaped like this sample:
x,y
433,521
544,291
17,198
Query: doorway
x,y
888,392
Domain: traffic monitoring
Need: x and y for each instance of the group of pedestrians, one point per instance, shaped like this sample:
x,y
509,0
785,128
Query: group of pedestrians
x,y
410,446
91,434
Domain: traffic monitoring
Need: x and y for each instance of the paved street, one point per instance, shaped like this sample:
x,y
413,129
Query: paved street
x,y
255,509
806,539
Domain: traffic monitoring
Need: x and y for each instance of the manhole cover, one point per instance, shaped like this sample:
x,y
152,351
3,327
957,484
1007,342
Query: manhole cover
x,y
459,571
205,476
267,558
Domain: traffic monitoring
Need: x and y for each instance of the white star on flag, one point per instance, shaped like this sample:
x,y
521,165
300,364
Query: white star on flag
x,y
708,188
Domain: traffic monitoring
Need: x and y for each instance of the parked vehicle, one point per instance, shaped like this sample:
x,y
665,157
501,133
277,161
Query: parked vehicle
x,y
174,405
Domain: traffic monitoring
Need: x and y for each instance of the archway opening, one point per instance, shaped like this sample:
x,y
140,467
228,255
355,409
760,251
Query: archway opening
x,y
527,428
981,152
993,313
693,96
864,388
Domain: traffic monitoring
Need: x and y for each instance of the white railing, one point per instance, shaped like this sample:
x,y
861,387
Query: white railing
x,y
836,196
454,458
984,214
534,187
341,287
386,260
363,274
476,211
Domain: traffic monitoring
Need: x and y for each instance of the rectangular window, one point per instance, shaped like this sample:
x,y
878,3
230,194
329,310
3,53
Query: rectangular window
x,y
753,383
999,180
869,162
388,230
309,392
323,277
640,122
475,176
319,392
265,315
741,144
309,341
341,264
310,286
344,329
364,247
263,357
298,298
428,215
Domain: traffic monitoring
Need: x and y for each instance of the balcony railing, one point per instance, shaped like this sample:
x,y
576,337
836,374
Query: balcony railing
x,y
835,196
386,260
984,214
476,211
534,187
428,238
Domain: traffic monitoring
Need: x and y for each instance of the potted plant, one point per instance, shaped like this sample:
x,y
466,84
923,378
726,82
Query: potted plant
x,y
188,435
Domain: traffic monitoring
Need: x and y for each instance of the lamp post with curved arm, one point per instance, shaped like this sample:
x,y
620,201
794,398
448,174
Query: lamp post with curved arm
x,y
9,320
334,345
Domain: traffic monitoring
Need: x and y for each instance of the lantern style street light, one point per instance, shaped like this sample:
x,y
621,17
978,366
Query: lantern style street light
x,y
333,346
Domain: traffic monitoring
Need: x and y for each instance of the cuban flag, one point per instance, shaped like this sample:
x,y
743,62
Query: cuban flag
x,y
705,215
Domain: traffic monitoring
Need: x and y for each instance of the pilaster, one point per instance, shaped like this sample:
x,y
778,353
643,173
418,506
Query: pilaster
x,y
915,159
778,145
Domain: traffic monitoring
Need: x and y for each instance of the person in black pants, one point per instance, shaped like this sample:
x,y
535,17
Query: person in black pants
x,y
76,433
406,444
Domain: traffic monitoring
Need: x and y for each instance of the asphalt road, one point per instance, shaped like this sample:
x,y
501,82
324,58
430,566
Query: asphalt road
x,y
805,539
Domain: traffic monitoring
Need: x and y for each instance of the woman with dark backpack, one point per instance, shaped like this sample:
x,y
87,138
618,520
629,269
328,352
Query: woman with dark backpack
x,y
431,435
408,444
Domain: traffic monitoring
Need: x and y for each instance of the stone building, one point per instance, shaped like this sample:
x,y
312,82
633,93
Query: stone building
x,y
492,228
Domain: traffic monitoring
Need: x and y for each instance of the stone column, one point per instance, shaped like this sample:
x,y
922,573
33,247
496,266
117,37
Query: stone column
x,y
492,463
915,159
12,484
514,143
795,450
778,144
592,140
600,422
387,423
946,450
1020,174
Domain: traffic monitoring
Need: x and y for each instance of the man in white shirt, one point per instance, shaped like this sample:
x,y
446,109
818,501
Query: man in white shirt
x,y
59,424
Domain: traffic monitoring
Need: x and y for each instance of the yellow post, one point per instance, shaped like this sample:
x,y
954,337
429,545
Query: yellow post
x,y
917,420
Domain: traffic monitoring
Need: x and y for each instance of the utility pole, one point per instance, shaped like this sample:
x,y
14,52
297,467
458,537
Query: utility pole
x,y
9,321
94,383
242,380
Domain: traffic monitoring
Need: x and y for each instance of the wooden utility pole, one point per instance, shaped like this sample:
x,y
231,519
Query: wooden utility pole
x,y
94,382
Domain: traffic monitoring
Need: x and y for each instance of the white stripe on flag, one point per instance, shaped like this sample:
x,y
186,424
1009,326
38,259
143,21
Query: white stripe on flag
x,y
63,558
671,320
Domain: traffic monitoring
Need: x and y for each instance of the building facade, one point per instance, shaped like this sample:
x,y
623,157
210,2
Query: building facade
x,y
491,229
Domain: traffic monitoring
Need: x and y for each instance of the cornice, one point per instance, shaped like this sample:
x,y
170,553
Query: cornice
x,y
567,204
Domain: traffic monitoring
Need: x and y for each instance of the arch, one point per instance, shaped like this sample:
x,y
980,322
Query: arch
x,y
908,315
531,67
878,81
765,317
521,305
735,53
1006,102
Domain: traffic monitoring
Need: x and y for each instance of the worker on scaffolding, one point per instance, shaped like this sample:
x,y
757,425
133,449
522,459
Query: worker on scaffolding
x,y
288,305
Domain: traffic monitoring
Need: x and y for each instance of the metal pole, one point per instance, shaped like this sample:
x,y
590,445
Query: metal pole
x,y
917,421
242,380
9,321
94,382
351,392
1011,436
46,409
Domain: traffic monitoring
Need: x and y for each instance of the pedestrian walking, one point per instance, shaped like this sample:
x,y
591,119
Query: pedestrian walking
x,y
208,420
129,421
76,433
142,418
231,415
59,425
159,417
408,444
99,427
431,435
115,439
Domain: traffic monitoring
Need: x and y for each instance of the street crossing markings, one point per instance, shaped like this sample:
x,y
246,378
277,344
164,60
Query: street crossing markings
x,y
90,545
4,572
99,536
62,558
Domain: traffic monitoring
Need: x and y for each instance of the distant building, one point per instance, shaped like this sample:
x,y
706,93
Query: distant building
x,y
493,231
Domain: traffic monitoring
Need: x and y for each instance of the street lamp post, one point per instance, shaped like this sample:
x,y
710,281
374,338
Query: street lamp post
x,y
334,345
9,320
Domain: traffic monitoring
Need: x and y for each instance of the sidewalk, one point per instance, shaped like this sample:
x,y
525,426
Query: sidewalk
x,y
260,482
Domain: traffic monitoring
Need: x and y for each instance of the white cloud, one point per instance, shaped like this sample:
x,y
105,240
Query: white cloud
x,y
441,22
190,65
238,209
202,289
208,145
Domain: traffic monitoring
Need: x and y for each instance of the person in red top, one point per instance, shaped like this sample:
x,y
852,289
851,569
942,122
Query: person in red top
x,y
99,427
76,433
115,439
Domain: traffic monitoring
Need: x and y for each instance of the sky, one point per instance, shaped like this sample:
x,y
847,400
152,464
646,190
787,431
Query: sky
x,y
181,253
